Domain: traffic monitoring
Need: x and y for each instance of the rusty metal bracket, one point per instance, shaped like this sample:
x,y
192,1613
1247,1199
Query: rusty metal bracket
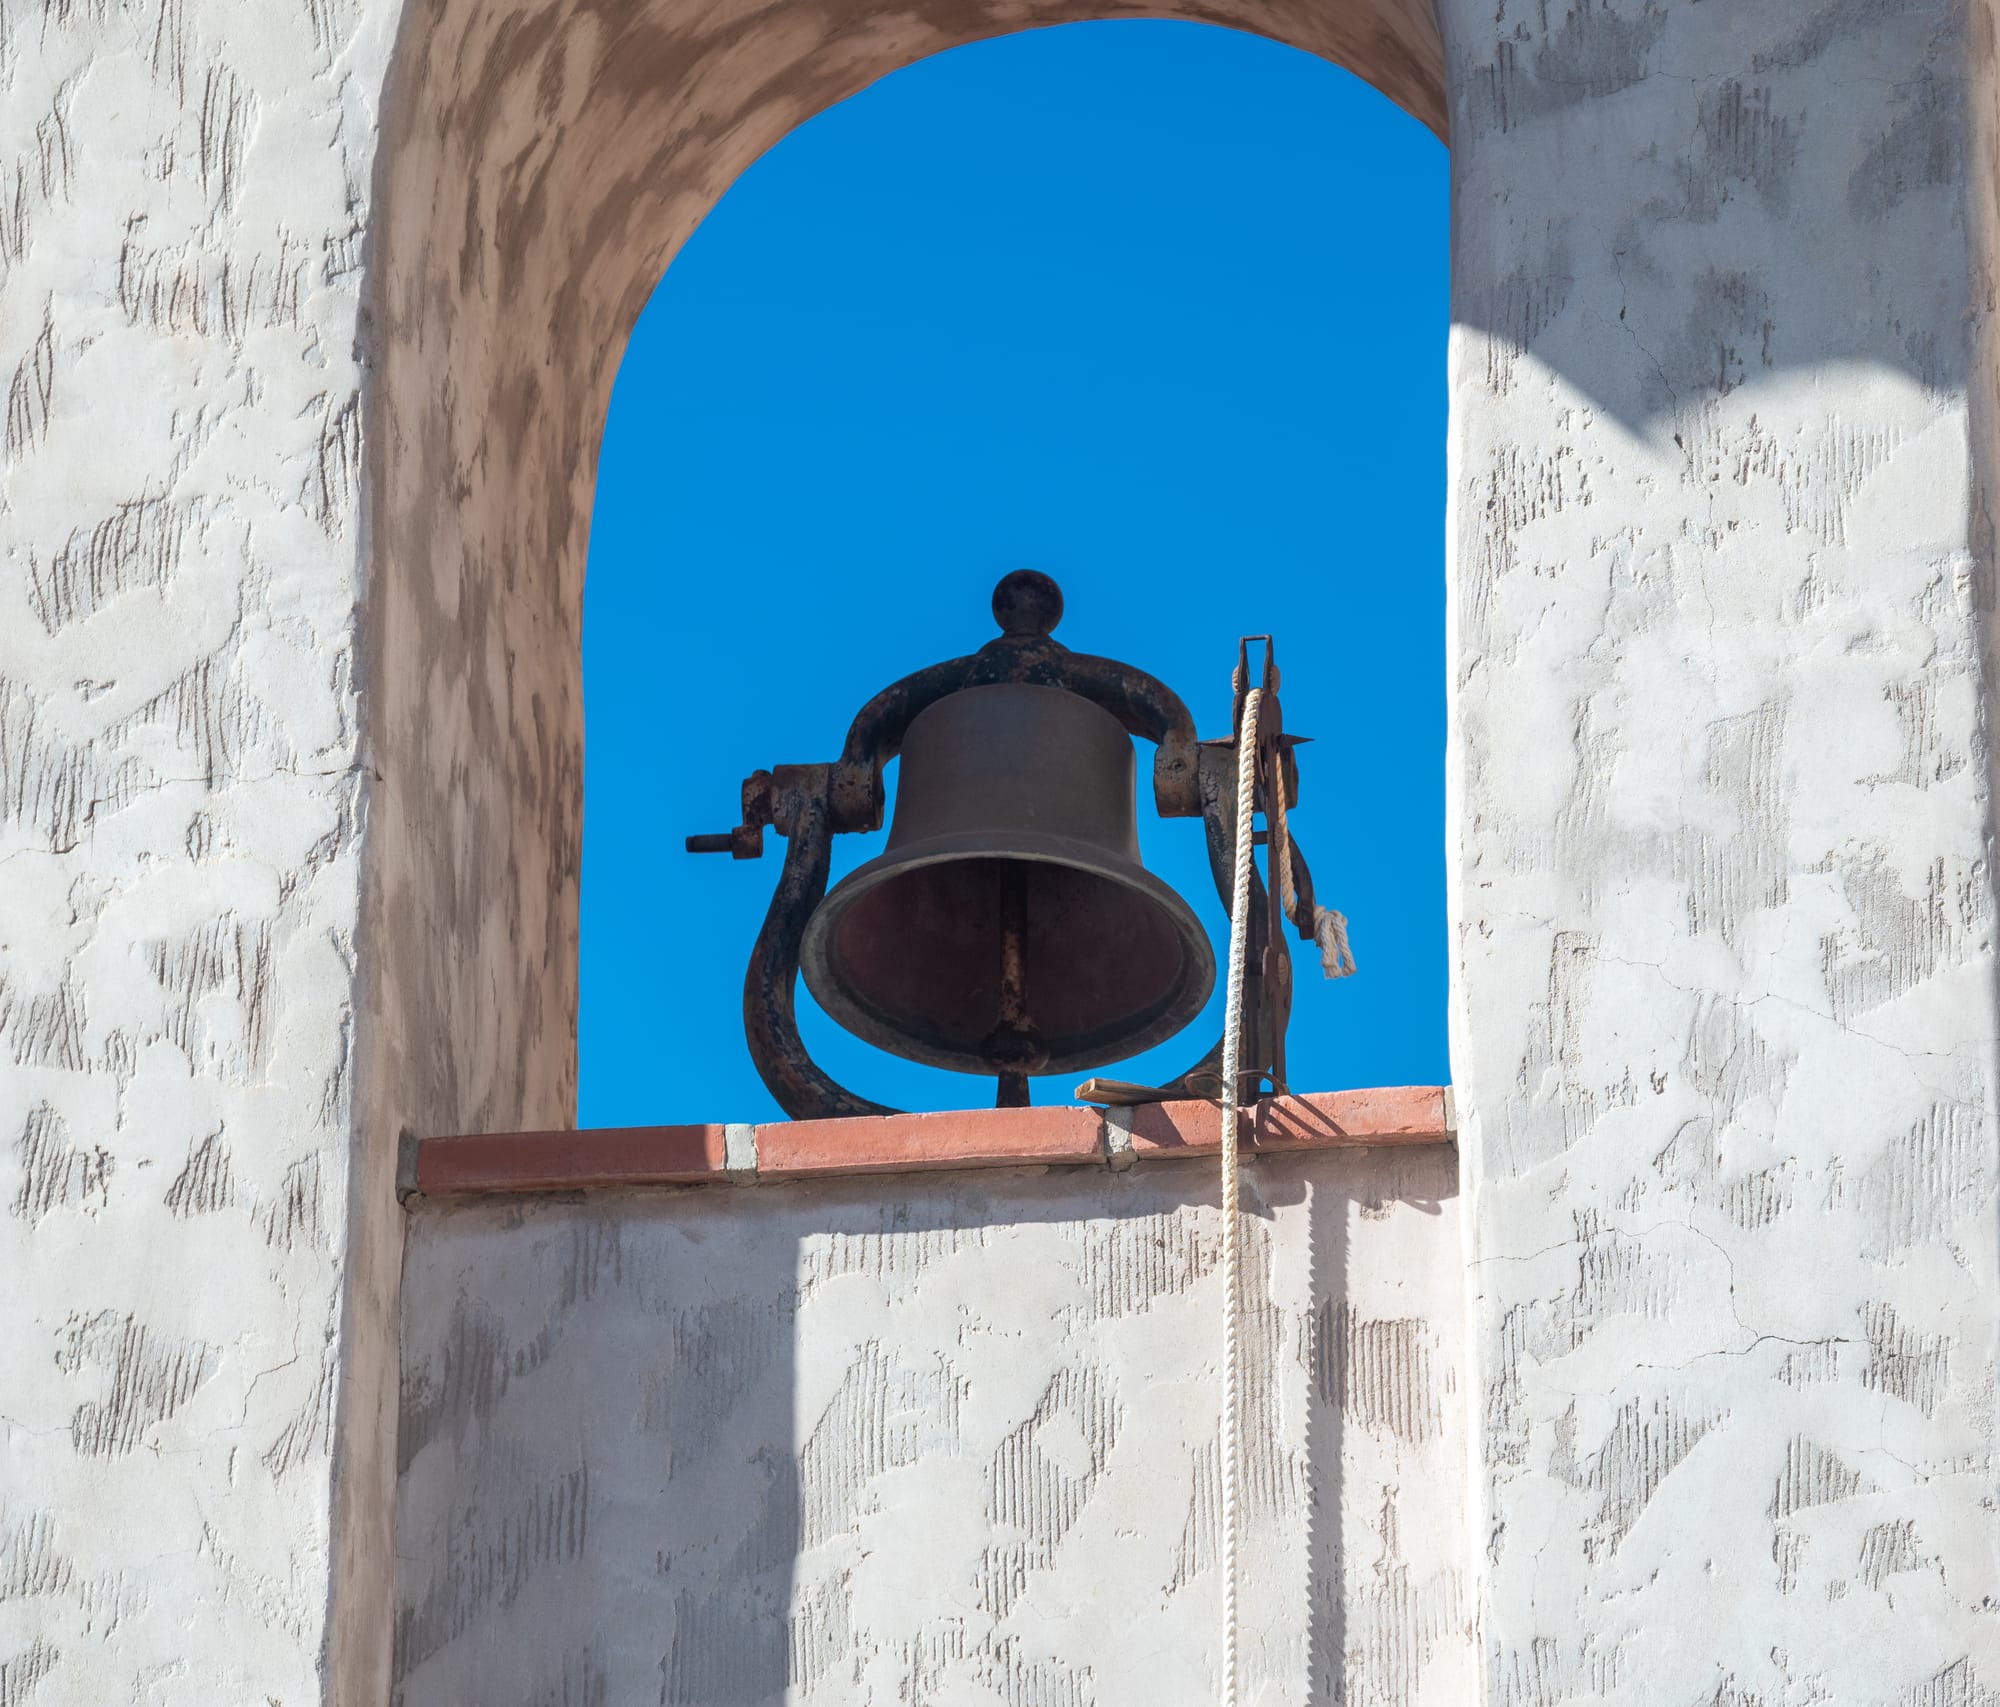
x,y
801,813
1267,997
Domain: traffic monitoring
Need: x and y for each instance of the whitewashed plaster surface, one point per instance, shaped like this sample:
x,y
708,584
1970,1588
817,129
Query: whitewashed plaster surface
x,y
1721,562
1725,1009
945,1440
183,193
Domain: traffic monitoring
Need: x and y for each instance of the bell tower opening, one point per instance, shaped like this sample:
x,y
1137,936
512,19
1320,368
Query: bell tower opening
x,y
1090,325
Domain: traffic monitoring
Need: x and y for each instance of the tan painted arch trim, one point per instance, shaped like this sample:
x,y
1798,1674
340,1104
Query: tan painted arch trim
x,y
543,161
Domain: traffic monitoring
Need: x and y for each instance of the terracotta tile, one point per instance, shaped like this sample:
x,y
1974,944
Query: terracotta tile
x,y
1181,1129
571,1161
985,1137
908,1143
1396,1114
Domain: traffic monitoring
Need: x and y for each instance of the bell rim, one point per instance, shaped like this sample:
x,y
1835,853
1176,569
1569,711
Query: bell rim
x,y
1039,847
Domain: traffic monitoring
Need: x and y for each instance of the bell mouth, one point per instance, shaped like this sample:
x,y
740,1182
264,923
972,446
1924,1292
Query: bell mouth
x,y
906,952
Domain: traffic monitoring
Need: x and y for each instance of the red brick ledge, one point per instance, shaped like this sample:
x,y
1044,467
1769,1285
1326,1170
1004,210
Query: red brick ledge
x,y
913,1143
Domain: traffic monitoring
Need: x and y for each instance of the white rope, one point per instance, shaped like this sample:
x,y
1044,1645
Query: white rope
x,y
1232,1049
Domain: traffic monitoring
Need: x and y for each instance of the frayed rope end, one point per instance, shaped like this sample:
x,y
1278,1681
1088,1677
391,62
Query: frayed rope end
x,y
1336,959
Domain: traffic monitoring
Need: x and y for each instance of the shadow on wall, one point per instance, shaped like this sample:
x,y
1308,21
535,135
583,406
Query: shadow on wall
x,y
804,1443
1653,320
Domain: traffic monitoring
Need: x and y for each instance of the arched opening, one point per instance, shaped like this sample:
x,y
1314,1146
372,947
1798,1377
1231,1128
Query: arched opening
x,y
540,167
1110,300
1635,220
540,171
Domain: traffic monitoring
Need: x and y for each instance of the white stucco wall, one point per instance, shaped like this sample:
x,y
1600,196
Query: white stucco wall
x,y
949,1438
298,427
1725,1020
183,200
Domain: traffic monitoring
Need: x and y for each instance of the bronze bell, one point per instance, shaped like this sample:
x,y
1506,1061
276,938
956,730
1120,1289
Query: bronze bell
x,y
1009,927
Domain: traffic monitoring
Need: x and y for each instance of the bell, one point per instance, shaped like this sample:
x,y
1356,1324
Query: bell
x,y
1009,927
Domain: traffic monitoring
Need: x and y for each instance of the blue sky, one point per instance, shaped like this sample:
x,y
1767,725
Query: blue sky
x,y
1157,308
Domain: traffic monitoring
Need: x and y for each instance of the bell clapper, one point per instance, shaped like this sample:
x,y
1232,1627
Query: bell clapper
x,y
1014,1046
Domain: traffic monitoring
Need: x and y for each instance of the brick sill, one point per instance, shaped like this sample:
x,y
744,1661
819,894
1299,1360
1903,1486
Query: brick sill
x,y
608,1157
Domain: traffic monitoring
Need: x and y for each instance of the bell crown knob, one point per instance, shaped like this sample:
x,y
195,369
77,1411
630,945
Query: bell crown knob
x,y
1027,603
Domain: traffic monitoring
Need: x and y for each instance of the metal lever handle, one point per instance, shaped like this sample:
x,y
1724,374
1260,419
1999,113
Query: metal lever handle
x,y
746,841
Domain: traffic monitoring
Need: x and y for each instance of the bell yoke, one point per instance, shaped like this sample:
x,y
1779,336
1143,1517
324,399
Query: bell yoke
x,y
1009,927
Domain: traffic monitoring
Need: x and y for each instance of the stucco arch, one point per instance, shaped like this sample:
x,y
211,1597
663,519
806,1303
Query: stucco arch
x,y
541,167
303,372
1714,327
